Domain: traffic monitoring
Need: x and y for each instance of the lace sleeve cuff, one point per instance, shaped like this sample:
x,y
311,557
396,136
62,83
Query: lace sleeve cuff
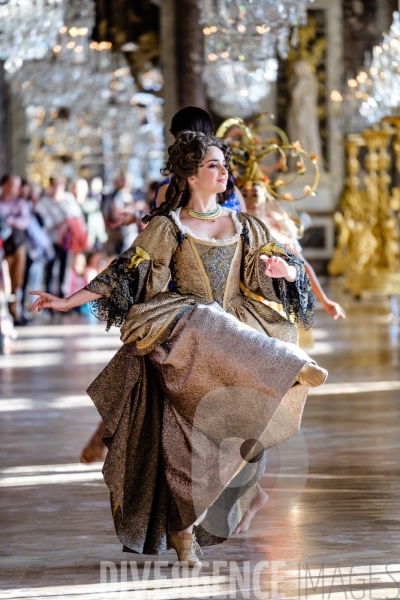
x,y
121,285
296,297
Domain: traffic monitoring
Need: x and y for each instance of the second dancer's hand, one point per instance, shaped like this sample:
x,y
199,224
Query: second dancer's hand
x,y
46,300
275,266
334,309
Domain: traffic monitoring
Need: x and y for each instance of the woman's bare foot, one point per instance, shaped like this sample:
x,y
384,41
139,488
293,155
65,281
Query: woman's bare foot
x,y
259,500
95,451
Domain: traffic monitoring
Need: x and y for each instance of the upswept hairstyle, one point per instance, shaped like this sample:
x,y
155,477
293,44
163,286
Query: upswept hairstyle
x,y
184,158
191,118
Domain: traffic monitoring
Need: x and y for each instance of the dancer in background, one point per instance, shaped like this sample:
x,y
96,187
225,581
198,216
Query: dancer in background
x,y
263,206
203,340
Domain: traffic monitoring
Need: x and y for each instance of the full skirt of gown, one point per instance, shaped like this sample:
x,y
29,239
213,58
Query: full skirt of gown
x,y
187,425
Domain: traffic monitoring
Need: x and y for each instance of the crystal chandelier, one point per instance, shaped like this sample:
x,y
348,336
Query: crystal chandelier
x,y
375,92
238,87
80,100
384,71
241,40
28,29
73,96
76,73
255,18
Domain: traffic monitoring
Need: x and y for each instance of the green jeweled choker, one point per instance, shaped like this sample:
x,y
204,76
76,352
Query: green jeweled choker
x,y
208,215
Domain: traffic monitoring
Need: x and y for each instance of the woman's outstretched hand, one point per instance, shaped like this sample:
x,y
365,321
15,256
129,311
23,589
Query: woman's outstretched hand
x,y
49,301
275,266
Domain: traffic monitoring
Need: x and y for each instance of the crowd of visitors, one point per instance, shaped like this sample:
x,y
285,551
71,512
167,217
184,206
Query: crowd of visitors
x,y
60,237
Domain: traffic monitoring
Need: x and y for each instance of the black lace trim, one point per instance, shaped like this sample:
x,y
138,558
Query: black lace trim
x,y
296,297
180,237
120,287
245,235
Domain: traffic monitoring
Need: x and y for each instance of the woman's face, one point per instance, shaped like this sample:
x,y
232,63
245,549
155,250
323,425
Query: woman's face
x,y
212,174
254,196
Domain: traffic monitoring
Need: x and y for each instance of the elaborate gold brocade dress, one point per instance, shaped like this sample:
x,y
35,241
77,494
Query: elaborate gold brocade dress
x,y
203,382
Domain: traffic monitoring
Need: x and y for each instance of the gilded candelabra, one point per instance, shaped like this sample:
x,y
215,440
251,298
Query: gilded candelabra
x,y
367,251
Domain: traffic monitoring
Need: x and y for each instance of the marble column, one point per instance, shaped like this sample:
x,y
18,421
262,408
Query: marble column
x,y
168,63
189,55
17,142
384,15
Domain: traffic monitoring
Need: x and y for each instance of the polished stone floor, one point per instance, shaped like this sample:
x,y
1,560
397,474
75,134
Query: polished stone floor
x,y
331,528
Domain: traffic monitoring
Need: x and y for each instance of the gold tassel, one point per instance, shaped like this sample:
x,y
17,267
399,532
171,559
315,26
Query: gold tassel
x,y
272,247
139,256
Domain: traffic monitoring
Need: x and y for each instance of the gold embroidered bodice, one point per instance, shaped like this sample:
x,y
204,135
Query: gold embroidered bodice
x,y
209,270
217,262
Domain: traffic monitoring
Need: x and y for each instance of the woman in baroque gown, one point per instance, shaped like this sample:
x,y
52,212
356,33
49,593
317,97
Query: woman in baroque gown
x,y
207,378
190,118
